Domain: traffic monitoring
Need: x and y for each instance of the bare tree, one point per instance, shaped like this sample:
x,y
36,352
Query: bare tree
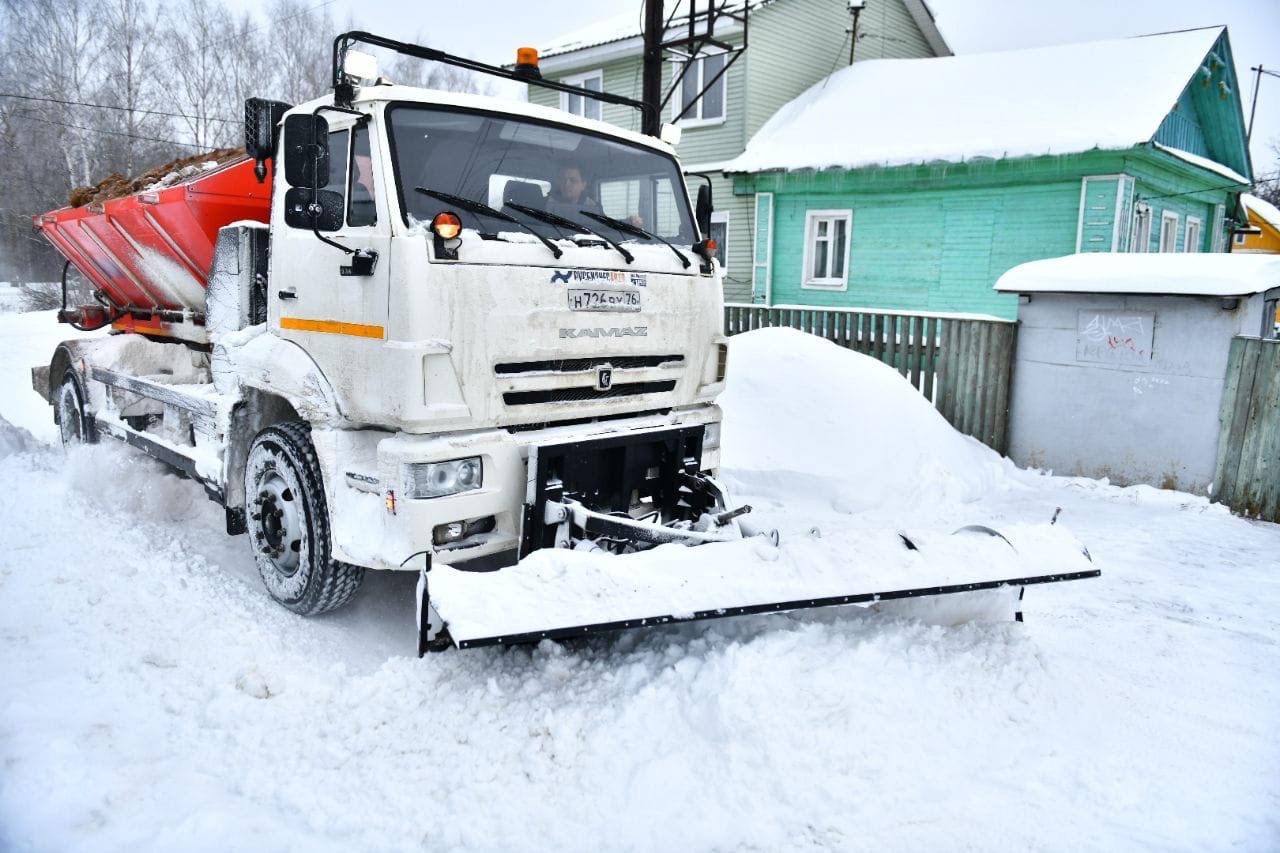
x,y
130,66
197,36
58,48
299,42
1267,184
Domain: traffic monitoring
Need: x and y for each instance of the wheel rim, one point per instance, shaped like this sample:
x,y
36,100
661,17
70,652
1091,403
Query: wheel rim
x,y
278,528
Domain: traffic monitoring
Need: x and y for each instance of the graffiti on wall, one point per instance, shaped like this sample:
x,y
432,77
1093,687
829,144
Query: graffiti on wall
x,y
1115,337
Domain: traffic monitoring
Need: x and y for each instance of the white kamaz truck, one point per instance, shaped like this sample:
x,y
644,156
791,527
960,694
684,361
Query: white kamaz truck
x,y
414,328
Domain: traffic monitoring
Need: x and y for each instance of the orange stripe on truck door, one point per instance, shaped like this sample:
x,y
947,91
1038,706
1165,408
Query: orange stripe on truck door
x,y
333,327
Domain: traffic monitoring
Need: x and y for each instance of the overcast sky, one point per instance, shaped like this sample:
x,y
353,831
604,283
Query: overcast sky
x,y
491,30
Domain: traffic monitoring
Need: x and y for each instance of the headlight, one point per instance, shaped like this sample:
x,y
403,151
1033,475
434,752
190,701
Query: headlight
x,y
438,479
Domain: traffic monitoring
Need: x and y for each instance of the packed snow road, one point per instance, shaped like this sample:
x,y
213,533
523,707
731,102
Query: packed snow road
x,y
155,699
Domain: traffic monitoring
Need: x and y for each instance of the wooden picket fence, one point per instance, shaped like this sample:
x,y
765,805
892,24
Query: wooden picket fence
x,y
963,365
1247,477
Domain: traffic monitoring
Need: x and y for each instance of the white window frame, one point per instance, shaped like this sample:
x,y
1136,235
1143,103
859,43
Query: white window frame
x,y
1168,216
1238,238
1141,242
1189,244
812,217
678,100
580,80
717,218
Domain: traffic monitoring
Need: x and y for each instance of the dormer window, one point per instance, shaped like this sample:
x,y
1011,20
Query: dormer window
x,y
581,105
709,109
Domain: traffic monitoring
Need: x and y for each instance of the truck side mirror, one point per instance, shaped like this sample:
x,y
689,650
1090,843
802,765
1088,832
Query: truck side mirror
x,y
702,210
306,151
317,210
262,131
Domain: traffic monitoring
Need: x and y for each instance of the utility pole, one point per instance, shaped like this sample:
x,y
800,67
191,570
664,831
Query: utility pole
x,y
855,9
1258,71
651,91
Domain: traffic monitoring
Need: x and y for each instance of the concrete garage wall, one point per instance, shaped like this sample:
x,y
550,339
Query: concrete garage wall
x,y
1124,386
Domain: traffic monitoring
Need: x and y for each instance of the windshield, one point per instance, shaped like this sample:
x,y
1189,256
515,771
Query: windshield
x,y
498,161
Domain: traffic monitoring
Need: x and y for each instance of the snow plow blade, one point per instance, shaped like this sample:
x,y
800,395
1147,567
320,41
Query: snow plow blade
x,y
560,593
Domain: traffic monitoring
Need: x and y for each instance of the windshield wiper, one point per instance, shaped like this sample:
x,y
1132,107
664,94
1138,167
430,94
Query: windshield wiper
x,y
564,222
636,230
486,210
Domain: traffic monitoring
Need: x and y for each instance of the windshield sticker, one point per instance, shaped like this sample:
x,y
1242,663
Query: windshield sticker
x,y
638,279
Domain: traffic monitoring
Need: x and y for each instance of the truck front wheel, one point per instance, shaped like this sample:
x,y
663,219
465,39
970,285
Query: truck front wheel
x,y
288,523
73,422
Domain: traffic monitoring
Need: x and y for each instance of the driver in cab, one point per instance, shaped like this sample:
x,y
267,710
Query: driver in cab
x,y
568,194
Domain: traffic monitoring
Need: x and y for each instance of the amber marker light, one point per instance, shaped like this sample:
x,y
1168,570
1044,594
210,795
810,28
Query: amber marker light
x,y
527,63
446,226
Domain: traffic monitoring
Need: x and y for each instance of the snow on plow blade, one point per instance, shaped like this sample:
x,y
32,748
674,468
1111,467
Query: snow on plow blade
x,y
559,593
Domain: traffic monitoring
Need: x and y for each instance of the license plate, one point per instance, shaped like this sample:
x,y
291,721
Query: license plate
x,y
596,299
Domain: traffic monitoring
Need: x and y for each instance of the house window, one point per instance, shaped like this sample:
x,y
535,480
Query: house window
x,y
826,249
581,105
1238,238
1168,231
720,233
1140,240
1191,239
710,107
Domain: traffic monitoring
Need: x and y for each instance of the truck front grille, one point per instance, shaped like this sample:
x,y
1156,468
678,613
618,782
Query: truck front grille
x,y
578,395
577,365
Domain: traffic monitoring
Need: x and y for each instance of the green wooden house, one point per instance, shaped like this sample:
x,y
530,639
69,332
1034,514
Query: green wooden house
x,y
791,44
913,185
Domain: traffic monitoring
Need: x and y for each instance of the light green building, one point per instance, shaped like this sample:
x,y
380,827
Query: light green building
x,y
791,45
912,185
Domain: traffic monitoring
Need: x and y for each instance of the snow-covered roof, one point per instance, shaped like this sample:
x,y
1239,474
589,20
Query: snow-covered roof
x,y
1180,274
1204,163
1261,209
1110,94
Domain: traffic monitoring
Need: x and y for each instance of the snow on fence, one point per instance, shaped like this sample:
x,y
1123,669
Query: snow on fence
x,y
960,362
1247,475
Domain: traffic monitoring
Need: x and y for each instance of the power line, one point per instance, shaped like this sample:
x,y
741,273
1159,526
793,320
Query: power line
x,y
118,133
110,107
1190,192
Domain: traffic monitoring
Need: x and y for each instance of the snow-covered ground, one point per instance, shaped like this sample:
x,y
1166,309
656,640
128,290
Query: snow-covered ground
x,y
153,698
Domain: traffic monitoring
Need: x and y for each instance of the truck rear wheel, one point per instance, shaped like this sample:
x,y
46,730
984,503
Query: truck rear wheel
x,y
73,424
288,523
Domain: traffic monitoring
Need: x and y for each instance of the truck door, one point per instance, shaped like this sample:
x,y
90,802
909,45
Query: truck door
x,y
319,295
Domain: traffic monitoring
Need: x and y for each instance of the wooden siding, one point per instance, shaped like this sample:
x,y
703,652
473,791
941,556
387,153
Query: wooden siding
x,y
1181,128
936,238
964,366
938,250
621,77
886,30
1247,478
777,71
741,211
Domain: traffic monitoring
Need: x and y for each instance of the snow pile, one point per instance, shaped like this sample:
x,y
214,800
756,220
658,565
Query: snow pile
x,y
14,439
1180,274
1109,94
850,426
156,700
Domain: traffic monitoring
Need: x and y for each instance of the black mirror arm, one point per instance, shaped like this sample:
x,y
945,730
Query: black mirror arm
x,y
334,243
